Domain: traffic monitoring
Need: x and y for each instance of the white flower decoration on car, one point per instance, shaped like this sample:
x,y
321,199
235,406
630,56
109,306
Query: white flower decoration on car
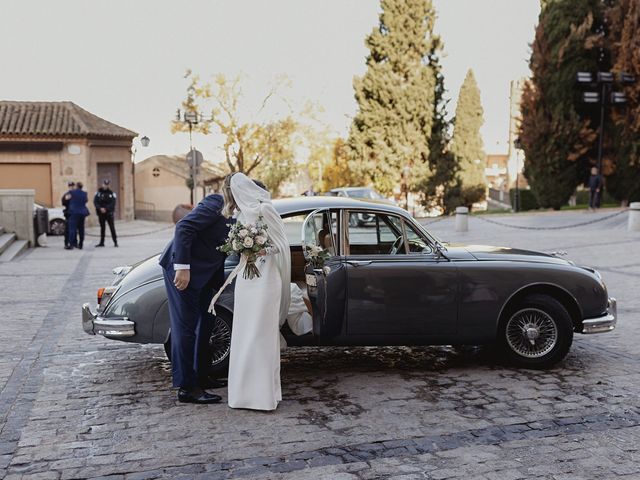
x,y
248,242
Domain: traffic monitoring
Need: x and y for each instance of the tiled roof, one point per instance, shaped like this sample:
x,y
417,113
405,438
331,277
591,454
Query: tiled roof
x,y
51,119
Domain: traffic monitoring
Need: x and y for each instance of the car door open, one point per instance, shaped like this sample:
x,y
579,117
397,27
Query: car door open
x,y
326,289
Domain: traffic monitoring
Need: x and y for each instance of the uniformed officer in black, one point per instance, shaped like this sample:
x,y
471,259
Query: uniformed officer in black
x,y
105,203
65,211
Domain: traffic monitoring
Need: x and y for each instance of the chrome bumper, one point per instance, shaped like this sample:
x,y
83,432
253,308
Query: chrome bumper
x,y
605,323
107,327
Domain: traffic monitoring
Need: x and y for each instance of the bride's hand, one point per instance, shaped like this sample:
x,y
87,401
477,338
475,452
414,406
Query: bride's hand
x,y
262,253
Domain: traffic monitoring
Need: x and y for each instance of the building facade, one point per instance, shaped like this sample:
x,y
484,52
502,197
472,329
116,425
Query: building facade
x,y
44,145
162,184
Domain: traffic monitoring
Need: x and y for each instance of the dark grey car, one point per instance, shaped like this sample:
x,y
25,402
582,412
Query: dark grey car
x,y
391,283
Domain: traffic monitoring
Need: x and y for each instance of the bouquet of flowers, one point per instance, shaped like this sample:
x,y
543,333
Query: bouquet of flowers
x,y
317,257
247,240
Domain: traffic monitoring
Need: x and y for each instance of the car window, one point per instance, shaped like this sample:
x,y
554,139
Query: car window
x,y
292,226
321,230
417,244
374,233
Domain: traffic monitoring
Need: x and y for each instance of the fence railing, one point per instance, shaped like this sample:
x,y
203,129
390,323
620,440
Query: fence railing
x,y
145,210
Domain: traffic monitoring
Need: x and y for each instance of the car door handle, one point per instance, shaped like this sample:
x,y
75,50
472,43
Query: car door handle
x,y
359,263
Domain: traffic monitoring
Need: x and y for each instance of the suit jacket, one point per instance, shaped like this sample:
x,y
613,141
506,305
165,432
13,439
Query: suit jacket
x,y
78,203
196,240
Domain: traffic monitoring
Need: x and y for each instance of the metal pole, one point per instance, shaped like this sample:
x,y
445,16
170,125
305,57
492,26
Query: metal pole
x,y
603,100
517,195
193,183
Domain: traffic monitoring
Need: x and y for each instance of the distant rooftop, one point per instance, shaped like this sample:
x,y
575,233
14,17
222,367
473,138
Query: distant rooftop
x,y
55,119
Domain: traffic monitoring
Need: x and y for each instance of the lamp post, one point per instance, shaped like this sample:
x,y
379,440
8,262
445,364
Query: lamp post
x,y
144,141
191,118
602,92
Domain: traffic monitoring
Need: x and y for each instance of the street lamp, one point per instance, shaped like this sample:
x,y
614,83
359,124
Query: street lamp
x,y
144,141
605,96
191,118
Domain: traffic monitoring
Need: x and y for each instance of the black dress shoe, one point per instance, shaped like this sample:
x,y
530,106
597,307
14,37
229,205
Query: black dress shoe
x,y
115,244
68,247
211,382
99,244
197,396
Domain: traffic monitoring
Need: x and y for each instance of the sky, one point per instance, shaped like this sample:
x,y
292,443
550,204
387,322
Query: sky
x,y
124,60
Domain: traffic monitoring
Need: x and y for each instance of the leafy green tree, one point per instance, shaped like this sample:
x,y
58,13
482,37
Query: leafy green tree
x,y
466,142
556,130
623,42
262,149
391,129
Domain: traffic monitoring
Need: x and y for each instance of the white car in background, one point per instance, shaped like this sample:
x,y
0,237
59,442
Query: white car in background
x,y
57,222
364,193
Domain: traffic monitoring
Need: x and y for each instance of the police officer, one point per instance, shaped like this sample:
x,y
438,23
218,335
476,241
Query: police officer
x,y
105,203
65,211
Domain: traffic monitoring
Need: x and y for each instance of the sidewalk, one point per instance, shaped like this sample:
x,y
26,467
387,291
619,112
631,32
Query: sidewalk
x,y
132,228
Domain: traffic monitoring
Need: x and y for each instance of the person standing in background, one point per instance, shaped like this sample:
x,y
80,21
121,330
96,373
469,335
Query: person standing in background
x,y
65,211
595,189
105,203
78,211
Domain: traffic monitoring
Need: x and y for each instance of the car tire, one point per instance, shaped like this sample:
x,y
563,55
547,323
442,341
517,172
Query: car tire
x,y
56,227
219,343
536,333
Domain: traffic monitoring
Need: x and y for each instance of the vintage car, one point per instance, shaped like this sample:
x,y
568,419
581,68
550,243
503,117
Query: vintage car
x,y
390,283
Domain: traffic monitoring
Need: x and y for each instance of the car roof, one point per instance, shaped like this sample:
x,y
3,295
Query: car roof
x,y
286,206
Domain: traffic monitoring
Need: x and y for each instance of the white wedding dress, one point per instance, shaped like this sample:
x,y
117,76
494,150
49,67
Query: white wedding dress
x,y
260,305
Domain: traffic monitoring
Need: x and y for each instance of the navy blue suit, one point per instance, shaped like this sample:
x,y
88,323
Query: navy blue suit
x,y
77,210
196,240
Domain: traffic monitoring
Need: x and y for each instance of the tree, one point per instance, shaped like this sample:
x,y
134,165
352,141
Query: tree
x,y
623,42
392,127
441,187
264,149
466,142
556,130
338,173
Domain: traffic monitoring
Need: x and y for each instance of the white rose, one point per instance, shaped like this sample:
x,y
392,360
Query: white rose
x,y
326,270
254,230
236,245
261,240
243,233
248,242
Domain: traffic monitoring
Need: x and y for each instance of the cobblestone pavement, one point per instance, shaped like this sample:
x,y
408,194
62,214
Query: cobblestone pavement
x,y
75,406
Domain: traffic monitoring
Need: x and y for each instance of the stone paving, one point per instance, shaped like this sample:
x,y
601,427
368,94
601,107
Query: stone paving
x,y
76,406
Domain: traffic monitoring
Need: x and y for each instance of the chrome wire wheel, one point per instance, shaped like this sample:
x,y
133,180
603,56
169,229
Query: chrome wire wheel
x,y
531,333
220,341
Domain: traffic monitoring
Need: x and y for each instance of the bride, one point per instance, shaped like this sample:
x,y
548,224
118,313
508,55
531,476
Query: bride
x,y
260,303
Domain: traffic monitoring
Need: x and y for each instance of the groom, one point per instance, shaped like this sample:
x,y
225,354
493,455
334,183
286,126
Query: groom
x,y
193,270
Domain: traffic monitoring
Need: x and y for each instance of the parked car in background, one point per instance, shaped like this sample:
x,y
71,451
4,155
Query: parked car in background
x,y
390,282
57,221
360,193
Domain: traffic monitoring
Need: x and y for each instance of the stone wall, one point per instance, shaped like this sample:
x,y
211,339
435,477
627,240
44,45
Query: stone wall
x,y
16,213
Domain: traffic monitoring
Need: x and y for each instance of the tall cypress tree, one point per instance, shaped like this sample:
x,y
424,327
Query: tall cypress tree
x,y
624,43
556,130
441,187
391,129
466,143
